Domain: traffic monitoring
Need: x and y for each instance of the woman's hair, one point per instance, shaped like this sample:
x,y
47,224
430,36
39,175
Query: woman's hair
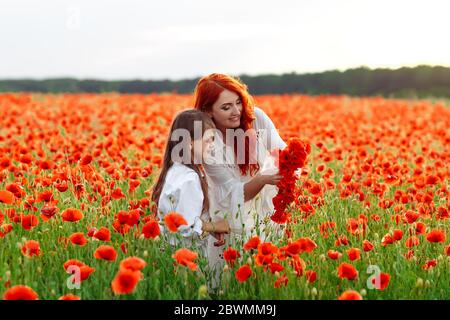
x,y
184,120
206,94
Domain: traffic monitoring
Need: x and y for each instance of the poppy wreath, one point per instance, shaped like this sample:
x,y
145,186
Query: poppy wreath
x,y
291,158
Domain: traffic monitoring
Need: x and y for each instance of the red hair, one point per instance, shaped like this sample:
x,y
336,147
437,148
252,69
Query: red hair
x,y
206,94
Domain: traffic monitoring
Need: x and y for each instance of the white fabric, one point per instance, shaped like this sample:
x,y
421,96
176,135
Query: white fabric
x,y
182,193
226,186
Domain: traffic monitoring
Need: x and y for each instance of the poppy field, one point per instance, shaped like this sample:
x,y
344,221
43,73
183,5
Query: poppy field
x,y
367,219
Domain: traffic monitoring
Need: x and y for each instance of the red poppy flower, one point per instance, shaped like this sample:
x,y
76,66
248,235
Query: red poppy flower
x,y
48,211
354,254
447,250
125,281
186,258
252,243
429,264
73,262
73,266
412,241
436,236
350,295
411,216
174,220
107,253
20,292
87,159
398,234
386,240
31,248
281,282
6,197
29,221
347,271
69,297
72,215
151,229
133,264
306,245
230,255
78,239
367,246
243,273
383,281
117,194
276,267
102,234
311,276
334,255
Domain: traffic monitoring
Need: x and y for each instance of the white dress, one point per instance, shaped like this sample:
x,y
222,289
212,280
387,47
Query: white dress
x,y
182,193
226,190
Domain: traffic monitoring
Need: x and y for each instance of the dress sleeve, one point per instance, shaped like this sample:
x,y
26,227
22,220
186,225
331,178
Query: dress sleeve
x,y
190,205
228,188
271,136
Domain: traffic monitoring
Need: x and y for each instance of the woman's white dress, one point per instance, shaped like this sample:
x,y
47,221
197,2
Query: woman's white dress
x,y
226,190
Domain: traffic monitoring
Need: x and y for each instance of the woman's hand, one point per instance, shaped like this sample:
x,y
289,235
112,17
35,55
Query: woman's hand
x,y
219,226
272,179
254,186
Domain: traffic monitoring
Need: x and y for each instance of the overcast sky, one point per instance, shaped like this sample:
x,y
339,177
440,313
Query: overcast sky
x,y
168,39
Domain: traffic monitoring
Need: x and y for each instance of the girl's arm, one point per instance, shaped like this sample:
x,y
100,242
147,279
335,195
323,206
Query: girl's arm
x,y
190,205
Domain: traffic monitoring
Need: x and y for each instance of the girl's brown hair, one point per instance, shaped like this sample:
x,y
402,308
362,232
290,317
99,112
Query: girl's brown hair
x,y
184,120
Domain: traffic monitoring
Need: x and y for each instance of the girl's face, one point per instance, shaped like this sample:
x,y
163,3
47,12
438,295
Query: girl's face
x,y
203,148
226,111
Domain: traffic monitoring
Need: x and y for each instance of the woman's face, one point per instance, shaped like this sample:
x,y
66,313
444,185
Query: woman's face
x,y
226,111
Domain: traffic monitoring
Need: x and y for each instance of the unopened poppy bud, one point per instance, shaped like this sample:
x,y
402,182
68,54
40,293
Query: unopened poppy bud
x,y
314,292
249,260
225,268
145,253
419,283
363,292
202,291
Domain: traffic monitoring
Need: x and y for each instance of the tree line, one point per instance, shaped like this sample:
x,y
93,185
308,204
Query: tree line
x,y
414,82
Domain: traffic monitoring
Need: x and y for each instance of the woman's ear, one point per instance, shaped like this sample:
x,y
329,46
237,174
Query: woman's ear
x,y
209,113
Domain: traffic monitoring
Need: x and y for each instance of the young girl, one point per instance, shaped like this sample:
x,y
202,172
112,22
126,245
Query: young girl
x,y
182,186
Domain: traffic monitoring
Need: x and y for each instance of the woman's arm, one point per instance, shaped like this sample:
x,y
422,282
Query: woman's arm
x,y
254,186
271,137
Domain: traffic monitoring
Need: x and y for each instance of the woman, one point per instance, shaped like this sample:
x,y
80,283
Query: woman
x,y
243,178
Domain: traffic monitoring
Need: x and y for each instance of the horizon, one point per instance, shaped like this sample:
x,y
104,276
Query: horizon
x,y
239,75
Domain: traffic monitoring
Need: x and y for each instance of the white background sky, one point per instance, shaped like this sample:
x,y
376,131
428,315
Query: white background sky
x,y
167,39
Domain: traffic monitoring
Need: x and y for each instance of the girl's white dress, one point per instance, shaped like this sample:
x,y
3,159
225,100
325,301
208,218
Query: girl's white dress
x,y
226,190
182,193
